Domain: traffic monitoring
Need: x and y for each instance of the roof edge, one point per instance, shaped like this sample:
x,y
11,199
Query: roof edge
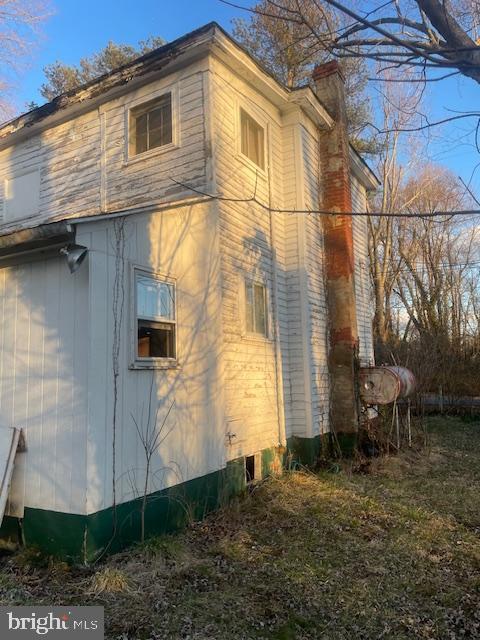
x,y
362,170
120,76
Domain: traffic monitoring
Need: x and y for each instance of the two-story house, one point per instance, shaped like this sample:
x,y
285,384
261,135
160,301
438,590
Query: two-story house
x,y
182,303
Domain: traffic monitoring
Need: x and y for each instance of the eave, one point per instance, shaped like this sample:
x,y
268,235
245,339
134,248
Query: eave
x,y
362,171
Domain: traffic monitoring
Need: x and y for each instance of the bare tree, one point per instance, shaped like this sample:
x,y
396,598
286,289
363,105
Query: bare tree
x,y
289,50
436,284
397,109
423,34
19,22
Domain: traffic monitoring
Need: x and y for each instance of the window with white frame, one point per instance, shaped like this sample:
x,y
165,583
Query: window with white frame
x,y
256,320
252,143
151,125
155,317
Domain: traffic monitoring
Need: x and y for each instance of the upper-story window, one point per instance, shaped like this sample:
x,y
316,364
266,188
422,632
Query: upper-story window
x,y
151,125
252,139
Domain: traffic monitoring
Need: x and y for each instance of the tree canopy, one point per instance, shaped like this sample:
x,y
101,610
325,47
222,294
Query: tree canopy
x,y
289,50
19,22
61,77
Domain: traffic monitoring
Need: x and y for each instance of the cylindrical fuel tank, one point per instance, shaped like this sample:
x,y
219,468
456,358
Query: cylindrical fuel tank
x,y
407,381
383,385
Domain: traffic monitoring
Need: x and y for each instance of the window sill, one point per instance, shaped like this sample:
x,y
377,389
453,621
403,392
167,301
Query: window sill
x,y
152,153
251,165
140,365
256,337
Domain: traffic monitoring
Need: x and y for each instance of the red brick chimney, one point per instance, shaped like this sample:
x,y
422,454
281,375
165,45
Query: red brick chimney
x,y
339,258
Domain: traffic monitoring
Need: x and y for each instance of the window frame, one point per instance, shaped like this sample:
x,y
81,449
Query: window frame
x,y
254,335
262,122
138,102
151,362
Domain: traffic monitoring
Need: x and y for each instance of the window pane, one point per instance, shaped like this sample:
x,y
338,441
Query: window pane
x,y
252,139
156,339
155,299
249,306
260,310
152,124
160,126
244,132
141,133
260,148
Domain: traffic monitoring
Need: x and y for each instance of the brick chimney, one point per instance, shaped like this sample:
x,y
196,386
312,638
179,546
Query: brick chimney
x,y
339,258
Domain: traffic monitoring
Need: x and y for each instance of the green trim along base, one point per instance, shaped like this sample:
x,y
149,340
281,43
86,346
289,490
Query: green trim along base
x,y
84,538
307,452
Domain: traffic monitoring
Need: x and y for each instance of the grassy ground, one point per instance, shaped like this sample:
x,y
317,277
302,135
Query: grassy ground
x,y
390,554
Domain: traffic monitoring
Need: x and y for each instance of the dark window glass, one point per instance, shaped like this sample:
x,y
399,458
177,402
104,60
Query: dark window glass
x,y
156,339
151,124
252,142
249,307
256,308
155,305
260,310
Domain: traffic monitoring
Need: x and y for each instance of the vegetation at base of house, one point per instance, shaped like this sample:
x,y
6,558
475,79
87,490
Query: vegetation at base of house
x,y
390,554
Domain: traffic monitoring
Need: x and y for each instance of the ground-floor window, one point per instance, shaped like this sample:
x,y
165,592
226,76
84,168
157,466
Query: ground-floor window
x,y
155,317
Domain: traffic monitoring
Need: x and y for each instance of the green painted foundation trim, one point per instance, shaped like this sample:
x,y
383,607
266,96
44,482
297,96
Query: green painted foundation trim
x,y
85,537
347,442
309,451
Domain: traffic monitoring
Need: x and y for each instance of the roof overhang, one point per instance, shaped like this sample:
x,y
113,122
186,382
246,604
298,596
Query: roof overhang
x,y
308,101
141,71
362,171
210,38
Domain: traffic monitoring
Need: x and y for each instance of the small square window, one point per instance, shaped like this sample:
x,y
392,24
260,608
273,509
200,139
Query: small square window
x,y
256,308
155,317
150,125
252,139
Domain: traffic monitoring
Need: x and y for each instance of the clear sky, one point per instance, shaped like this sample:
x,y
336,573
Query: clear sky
x,y
78,28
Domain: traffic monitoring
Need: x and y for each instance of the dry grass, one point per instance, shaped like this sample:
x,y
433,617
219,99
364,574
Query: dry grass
x,y
392,554
108,580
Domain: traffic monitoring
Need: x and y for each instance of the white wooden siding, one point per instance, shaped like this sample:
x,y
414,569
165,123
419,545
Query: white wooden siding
x,y
317,302
43,381
363,293
299,359
251,364
56,330
83,165
181,244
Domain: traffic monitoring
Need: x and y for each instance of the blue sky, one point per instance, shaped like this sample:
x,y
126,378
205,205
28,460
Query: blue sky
x,y
78,28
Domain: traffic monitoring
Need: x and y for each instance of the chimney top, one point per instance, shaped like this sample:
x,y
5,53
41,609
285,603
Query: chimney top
x,y
327,69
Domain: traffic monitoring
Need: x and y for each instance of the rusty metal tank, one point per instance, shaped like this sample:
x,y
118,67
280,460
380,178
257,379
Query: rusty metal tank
x,y
384,385
408,382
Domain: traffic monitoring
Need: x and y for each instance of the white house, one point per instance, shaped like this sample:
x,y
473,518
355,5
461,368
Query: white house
x,y
196,329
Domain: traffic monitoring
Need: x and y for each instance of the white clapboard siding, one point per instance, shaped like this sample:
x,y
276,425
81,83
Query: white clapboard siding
x,y
251,365
298,332
363,292
83,164
8,449
181,244
317,302
43,383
